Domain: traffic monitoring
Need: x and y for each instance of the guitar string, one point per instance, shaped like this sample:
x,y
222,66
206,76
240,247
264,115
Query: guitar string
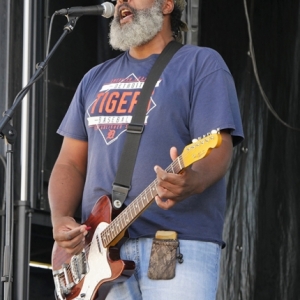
x,y
111,232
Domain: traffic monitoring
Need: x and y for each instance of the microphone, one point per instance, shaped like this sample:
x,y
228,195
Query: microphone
x,y
106,10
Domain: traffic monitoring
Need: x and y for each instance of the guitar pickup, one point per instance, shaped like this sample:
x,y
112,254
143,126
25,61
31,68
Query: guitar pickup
x,y
98,243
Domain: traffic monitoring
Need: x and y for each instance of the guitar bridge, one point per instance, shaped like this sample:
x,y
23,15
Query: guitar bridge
x,y
70,275
79,266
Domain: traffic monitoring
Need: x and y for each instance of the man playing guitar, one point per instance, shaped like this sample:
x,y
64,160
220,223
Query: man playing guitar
x,y
194,95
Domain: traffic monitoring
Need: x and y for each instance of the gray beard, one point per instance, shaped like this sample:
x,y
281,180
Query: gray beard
x,y
145,25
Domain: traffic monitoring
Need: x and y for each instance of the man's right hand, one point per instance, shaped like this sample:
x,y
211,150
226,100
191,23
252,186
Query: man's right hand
x,y
69,235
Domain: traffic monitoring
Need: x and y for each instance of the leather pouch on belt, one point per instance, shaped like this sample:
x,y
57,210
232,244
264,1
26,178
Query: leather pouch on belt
x,y
163,257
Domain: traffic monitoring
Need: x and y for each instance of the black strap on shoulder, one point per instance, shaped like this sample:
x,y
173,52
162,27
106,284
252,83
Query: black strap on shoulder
x,y
135,128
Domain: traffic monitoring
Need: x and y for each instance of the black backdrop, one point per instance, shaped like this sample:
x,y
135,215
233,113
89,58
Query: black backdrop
x,y
261,230
262,227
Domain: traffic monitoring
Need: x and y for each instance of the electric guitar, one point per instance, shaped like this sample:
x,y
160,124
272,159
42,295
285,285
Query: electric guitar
x,y
98,266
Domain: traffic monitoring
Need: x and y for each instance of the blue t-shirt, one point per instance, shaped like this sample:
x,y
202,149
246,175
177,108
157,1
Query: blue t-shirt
x,y
194,95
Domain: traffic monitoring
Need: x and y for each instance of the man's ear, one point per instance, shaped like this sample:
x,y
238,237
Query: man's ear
x,y
168,7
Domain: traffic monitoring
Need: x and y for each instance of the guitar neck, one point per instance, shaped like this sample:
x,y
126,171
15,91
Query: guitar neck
x,y
136,207
199,149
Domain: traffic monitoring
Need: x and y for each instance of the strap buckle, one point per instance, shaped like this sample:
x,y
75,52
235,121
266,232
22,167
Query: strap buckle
x,y
135,128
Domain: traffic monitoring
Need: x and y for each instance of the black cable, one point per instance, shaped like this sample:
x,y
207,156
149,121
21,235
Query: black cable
x,y
38,76
49,36
252,55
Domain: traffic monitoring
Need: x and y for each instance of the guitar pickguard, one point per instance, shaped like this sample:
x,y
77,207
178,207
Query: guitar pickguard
x,y
99,268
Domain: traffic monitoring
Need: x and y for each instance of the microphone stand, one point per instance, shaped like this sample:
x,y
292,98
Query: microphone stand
x,y
8,133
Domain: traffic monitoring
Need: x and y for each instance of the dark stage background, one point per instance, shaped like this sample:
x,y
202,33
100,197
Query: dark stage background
x,y
262,225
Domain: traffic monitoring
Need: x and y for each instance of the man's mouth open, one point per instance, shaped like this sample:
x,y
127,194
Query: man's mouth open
x,y
125,15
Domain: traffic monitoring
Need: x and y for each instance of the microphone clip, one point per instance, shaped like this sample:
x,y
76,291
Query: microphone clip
x,y
71,23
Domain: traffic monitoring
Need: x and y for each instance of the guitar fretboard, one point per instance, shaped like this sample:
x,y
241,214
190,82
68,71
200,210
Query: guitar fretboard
x,y
136,207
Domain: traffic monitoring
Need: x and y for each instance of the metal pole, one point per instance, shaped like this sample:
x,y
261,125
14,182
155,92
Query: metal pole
x,y
27,29
191,17
7,277
23,226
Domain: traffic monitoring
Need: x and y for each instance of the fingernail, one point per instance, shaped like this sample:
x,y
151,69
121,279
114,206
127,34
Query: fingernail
x,y
88,227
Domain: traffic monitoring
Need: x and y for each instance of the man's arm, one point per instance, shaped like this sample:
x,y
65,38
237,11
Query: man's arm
x,y
196,179
65,192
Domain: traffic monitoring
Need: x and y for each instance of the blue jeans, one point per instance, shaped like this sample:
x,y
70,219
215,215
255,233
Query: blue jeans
x,y
196,278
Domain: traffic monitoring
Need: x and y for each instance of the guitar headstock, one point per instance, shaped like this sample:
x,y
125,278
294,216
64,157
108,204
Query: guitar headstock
x,y
201,147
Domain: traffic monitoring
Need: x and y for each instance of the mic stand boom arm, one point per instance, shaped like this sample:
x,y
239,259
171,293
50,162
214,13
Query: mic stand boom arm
x,y
8,133
7,115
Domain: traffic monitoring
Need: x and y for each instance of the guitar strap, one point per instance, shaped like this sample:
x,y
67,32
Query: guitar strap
x,y
121,185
